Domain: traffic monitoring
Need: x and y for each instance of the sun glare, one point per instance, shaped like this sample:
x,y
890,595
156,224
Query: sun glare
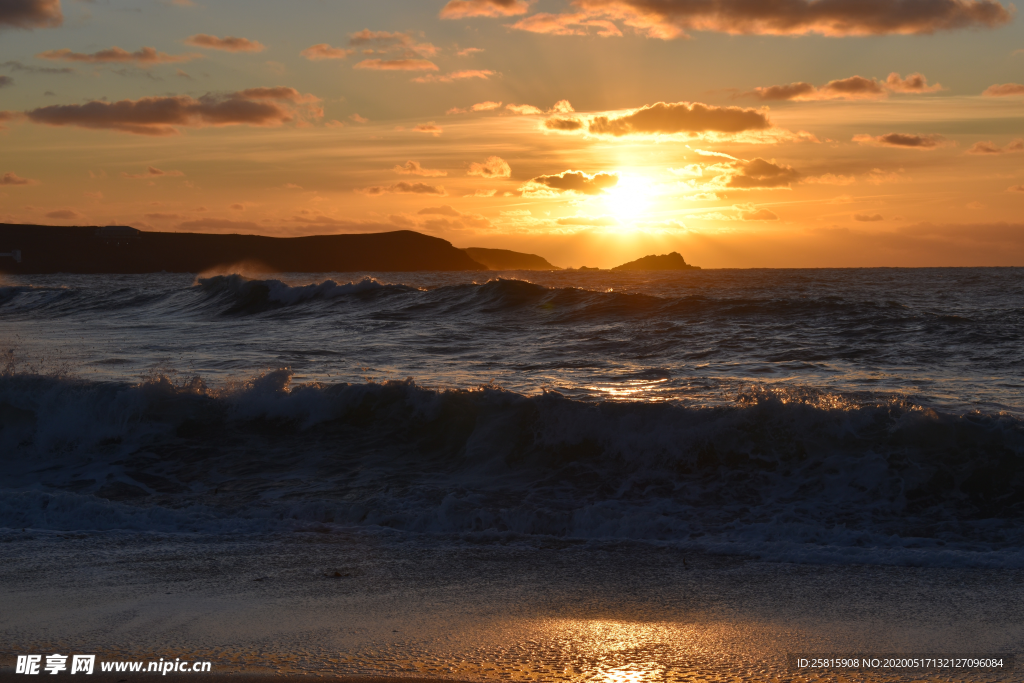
x,y
628,200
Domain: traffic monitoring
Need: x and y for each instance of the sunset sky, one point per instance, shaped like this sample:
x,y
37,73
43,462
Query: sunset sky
x,y
740,133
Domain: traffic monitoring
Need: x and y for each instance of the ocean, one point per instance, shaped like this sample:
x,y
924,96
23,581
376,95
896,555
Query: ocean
x,y
822,417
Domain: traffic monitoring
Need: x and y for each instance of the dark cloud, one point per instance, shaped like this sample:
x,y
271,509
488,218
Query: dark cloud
x,y
146,56
1004,90
15,179
759,173
493,167
793,91
30,13
227,43
459,9
153,172
64,214
15,65
922,142
989,148
578,181
443,210
163,115
913,83
5,81
387,42
8,116
868,218
852,88
667,19
681,117
559,123
405,188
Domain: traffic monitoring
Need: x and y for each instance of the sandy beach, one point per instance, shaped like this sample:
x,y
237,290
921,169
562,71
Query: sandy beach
x,y
323,605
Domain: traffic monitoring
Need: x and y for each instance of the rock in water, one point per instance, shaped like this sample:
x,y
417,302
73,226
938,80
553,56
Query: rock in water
x,y
673,261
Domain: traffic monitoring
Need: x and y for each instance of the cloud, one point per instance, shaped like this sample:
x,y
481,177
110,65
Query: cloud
x,y
989,148
479,106
453,76
431,128
383,42
922,142
567,25
668,19
163,115
144,57
523,109
15,65
405,188
162,216
227,43
578,181
494,167
758,174
30,13
681,117
397,65
5,81
152,172
15,179
461,9
831,179
220,225
443,210
596,221
868,218
758,215
469,51
356,118
1016,188
64,214
852,88
560,123
414,168
1004,90
321,51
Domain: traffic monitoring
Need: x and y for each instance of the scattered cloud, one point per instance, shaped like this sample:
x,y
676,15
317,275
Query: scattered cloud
x,y
31,13
753,214
321,51
453,76
356,118
831,179
852,88
405,188
578,24
384,42
479,106
469,51
227,43
578,181
922,142
431,128
759,173
6,81
461,9
152,172
868,218
414,168
220,225
681,117
64,214
976,206
563,123
443,210
15,179
989,148
1016,188
667,20
397,65
162,216
1004,90
144,57
879,177
15,65
523,109
493,167
595,221
159,116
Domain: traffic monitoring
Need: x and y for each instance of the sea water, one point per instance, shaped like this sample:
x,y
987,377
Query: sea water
x,y
826,416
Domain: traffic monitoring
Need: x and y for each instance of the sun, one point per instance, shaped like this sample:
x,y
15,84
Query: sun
x,y
628,200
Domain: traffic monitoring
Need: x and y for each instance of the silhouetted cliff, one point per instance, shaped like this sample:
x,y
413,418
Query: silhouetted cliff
x,y
119,249
503,259
673,261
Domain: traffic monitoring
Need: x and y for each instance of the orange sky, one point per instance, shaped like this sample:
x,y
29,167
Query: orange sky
x,y
797,134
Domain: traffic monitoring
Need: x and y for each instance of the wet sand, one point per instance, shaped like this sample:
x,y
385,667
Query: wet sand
x,y
343,607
